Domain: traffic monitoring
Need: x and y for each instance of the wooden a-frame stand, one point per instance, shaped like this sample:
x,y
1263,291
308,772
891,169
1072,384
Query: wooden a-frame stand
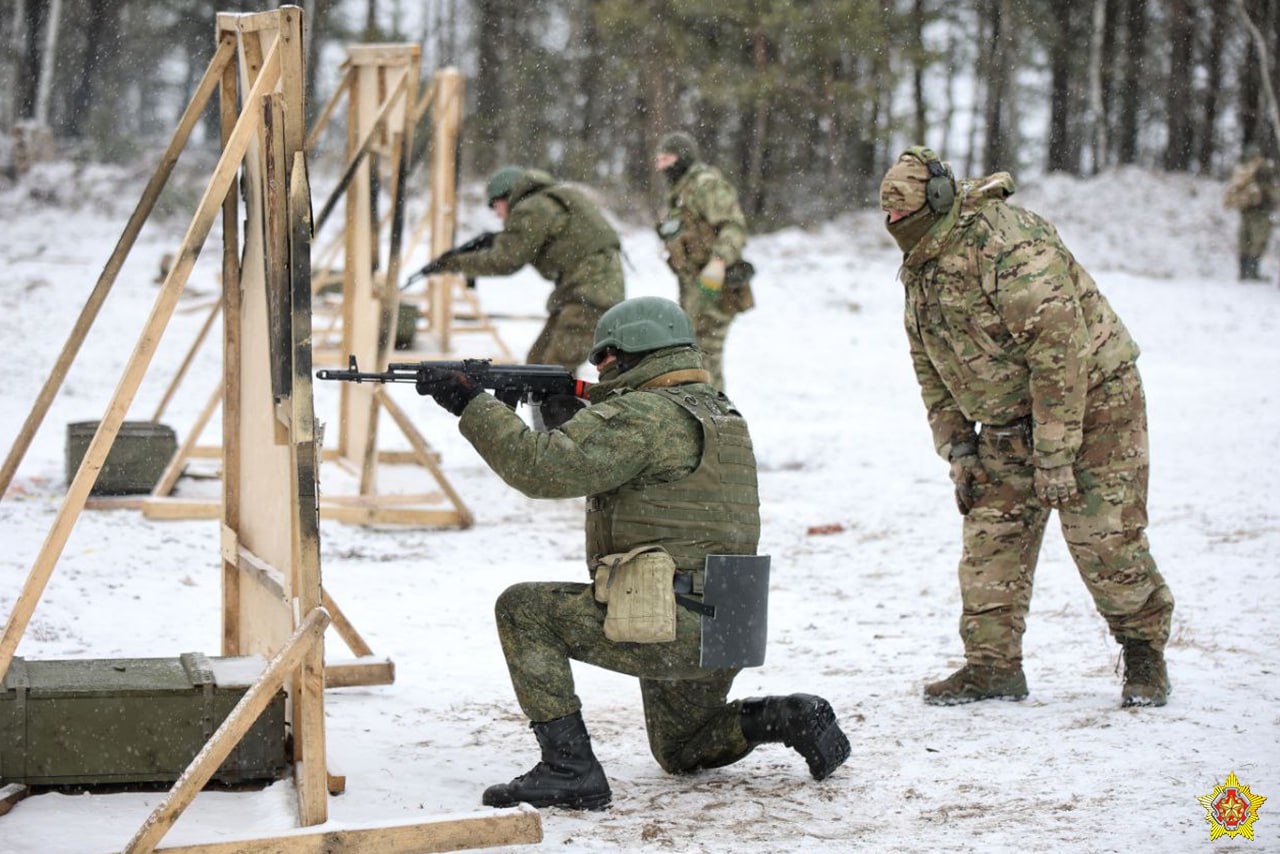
x,y
273,599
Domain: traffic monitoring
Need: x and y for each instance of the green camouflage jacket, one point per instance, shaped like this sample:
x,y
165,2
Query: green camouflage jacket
x,y
563,235
1003,323
703,219
617,439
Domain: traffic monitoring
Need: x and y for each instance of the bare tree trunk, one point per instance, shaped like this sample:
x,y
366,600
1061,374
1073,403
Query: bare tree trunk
x,y
759,132
1177,153
917,71
998,94
1135,23
101,52
13,109
1264,61
981,64
48,63
490,102
949,114
1213,84
1097,113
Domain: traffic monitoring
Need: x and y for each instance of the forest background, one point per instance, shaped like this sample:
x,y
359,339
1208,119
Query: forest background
x,y
802,104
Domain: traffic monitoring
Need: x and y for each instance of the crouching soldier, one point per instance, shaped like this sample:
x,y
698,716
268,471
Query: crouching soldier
x,y
666,464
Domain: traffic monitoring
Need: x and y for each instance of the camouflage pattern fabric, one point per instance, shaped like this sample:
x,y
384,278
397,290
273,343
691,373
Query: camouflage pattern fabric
x,y
568,241
625,436
1007,330
1104,529
1255,233
704,219
566,337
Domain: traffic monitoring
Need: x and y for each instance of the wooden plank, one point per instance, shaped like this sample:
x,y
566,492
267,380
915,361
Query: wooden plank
x,y
214,311
223,176
204,91
390,516
362,671
231,335
229,733
114,502
384,500
518,826
326,114
170,509
169,479
424,454
276,244
383,55
271,578
345,629
11,794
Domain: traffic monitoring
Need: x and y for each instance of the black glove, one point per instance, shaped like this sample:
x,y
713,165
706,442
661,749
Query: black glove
x,y
453,391
556,409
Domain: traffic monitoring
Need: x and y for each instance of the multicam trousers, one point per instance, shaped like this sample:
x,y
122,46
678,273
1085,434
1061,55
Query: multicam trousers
x,y
1104,529
567,337
691,724
710,327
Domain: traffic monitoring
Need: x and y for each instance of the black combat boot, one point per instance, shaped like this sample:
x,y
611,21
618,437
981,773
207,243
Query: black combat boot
x,y
1146,680
800,721
568,775
975,682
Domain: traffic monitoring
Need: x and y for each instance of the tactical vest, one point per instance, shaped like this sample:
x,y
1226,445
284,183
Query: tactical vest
x,y
690,245
585,233
713,510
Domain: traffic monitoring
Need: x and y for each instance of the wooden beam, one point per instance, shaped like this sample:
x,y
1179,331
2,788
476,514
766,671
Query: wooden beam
x,y
423,452
229,733
11,794
169,479
518,826
186,362
169,509
363,671
223,176
204,91
323,120
345,629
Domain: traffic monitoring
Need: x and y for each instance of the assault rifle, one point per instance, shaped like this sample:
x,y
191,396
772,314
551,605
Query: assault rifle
x,y
481,241
535,385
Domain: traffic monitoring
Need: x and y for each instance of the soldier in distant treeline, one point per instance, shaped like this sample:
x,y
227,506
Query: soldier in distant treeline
x,y
1252,191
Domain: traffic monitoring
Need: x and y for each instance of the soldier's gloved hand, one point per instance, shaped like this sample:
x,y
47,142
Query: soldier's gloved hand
x,y
453,391
967,473
1056,486
711,279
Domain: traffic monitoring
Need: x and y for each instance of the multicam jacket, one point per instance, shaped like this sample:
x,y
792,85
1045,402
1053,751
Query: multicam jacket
x,y
1003,323
563,235
703,219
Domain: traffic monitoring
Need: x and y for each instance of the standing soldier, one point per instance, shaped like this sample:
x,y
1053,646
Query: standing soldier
x,y
1252,191
666,464
1035,401
564,236
704,233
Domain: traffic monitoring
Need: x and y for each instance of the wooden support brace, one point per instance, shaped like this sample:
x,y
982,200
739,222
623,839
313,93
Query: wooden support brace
x,y
518,826
347,673
11,794
224,740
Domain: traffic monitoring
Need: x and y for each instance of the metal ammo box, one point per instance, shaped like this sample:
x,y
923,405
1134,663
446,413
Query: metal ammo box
x,y
136,461
131,720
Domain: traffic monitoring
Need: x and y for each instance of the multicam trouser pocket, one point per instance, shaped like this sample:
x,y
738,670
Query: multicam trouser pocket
x,y
637,587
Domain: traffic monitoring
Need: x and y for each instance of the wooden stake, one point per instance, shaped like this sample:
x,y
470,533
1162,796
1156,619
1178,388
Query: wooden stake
x,y
214,311
224,740
204,91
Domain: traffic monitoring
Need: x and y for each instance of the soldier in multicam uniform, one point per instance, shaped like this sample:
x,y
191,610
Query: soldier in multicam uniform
x,y
563,235
1008,332
1252,191
704,232
664,459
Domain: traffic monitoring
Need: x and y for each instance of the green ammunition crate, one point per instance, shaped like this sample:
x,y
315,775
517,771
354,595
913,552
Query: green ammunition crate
x,y
131,720
406,325
138,457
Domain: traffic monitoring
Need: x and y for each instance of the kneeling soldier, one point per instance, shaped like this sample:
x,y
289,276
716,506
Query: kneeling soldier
x,y
666,464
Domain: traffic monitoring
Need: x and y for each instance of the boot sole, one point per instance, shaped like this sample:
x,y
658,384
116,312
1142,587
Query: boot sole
x,y
592,802
962,701
829,749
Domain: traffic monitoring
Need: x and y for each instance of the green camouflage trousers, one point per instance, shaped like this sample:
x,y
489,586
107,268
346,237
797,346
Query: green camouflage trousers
x,y
710,328
691,724
1255,231
1104,529
567,337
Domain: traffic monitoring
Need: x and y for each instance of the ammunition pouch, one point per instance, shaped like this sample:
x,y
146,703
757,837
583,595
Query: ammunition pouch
x,y
638,588
737,296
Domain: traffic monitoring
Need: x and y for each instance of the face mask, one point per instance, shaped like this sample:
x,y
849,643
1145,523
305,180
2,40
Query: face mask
x,y
910,230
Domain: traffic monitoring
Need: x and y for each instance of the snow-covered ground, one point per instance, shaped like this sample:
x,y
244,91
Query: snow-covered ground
x,y
863,616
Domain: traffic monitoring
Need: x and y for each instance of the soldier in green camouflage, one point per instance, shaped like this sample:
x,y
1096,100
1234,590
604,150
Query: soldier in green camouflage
x,y
1034,398
704,233
558,230
663,459
1252,191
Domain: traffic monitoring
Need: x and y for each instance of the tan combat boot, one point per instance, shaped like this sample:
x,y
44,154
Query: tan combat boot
x,y
1146,680
975,682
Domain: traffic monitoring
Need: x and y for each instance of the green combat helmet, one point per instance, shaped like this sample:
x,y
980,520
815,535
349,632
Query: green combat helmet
x,y
501,183
642,324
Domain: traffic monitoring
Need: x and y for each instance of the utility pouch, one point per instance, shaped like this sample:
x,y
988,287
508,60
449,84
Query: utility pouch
x,y
669,227
637,587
